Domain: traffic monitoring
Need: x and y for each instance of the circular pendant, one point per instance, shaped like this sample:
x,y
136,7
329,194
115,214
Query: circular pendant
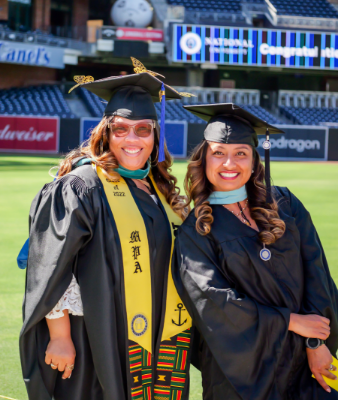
x,y
266,145
265,254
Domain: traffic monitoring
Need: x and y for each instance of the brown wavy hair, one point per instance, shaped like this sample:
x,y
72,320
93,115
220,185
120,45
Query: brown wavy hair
x,y
165,181
198,189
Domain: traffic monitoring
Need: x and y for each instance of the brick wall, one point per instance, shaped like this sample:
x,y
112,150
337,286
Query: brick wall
x,y
80,17
41,14
24,75
4,10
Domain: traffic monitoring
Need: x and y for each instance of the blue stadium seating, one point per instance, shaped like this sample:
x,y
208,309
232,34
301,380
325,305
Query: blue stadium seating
x,y
94,104
231,6
174,110
35,100
305,8
263,114
48,100
310,115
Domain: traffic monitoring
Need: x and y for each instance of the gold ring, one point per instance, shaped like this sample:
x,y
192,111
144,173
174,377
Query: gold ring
x,y
70,367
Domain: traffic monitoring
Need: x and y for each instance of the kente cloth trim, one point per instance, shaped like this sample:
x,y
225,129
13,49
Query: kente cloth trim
x,y
233,196
170,377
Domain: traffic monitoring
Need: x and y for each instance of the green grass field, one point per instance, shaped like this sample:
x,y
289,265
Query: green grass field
x,y
316,184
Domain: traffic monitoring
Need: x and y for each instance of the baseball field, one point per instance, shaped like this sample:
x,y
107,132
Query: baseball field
x,y
316,184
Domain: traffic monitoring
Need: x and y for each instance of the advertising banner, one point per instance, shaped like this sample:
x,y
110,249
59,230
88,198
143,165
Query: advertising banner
x,y
299,142
254,47
111,32
31,54
176,136
29,134
175,132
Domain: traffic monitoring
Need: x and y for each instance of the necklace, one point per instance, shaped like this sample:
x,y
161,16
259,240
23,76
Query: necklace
x,y
241,216
265,254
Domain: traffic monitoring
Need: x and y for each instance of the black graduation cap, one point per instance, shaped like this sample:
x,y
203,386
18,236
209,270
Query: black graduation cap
x,y
133,96
231,124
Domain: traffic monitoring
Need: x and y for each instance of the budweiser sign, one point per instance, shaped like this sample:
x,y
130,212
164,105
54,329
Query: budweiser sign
x,y
29,134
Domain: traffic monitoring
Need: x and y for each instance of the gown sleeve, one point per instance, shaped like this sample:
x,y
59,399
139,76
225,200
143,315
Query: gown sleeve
x,y
244,337
70,300
61,223
320,295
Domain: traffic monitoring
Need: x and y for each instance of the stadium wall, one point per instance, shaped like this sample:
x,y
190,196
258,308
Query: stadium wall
x,y
25,75
3,10
333,145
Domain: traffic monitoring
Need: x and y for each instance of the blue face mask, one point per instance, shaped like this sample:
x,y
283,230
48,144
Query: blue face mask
x,y
233,196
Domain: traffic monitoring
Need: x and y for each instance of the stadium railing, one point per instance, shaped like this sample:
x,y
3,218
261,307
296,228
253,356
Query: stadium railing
x,y
295,98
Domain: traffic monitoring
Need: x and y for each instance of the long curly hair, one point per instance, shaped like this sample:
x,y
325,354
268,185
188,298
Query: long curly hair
x,y
198,189
165,181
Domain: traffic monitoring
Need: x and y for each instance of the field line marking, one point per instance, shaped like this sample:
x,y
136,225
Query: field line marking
x,y
4,397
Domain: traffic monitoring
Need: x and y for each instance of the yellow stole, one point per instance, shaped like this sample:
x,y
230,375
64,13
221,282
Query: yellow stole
x,y
136,266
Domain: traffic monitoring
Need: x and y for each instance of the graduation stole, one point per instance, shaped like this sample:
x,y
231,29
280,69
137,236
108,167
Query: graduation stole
x,y
175,340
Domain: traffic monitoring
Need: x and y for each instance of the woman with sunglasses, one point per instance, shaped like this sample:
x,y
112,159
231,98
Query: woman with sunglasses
x,y
101,307
251,271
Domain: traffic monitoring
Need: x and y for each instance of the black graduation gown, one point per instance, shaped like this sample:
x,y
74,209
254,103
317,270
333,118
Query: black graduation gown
x,y
72,231
241,304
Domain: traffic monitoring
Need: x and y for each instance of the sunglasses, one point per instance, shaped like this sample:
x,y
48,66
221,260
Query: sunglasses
x,y
142,129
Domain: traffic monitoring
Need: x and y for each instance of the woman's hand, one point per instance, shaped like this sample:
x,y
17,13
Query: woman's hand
x,y
61,352
319,362
310,326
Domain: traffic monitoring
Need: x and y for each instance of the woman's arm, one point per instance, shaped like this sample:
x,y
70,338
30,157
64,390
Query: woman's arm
x,y
310,326
61,224
60,351
320,294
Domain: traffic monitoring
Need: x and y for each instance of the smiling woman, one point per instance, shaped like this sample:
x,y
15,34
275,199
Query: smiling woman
x,y
252,273
100,299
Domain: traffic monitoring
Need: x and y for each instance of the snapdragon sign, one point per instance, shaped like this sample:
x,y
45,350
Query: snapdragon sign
x,y
254,47
298,143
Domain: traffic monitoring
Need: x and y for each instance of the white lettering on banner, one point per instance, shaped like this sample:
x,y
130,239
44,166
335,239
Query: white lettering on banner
x,y
295,144
288,52
36,55
329,53
27,136
229,51
228,42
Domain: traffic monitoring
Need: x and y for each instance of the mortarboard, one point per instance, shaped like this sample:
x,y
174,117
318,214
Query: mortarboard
x,y
231,124
133,96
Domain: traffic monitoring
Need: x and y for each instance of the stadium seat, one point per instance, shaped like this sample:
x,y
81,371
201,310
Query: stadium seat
x,y
306,8
310,115
45,100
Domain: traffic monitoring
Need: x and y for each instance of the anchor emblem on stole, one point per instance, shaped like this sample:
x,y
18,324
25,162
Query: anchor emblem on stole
x,y
180,309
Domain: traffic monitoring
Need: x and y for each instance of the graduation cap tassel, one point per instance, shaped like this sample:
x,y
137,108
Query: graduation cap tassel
x,y
161,156
266,147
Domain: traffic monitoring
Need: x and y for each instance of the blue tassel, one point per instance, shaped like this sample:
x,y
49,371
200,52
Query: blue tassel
x,y
161,156
23,256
